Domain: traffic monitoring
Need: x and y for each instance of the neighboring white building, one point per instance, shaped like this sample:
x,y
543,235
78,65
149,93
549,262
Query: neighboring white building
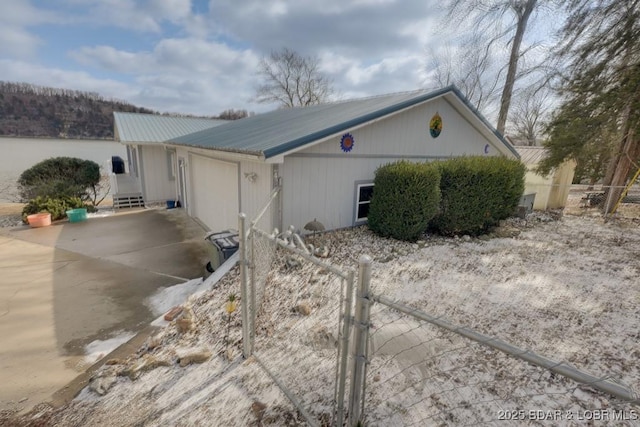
x,y
323,156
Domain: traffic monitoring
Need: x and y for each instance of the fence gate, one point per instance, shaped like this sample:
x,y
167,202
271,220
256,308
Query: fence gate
x,y
297,319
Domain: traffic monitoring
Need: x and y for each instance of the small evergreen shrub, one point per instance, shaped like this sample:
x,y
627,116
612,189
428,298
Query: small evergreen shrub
x,y
56,207
476,193
59,177
406,196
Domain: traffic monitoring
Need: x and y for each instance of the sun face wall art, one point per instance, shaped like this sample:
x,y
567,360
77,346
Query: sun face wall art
x,y
347,142
435,125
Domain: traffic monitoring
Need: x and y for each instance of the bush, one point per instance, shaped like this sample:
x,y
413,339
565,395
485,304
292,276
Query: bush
x,y
56,207
405,198
477,192
58,178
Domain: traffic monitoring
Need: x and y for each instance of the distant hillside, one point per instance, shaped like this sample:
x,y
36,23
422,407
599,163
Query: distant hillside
x,y
29,110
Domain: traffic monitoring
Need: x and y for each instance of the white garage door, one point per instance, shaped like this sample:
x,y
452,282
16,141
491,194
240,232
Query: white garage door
x,y
214,189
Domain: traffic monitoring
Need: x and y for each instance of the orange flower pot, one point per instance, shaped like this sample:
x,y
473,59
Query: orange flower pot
x,y
39,220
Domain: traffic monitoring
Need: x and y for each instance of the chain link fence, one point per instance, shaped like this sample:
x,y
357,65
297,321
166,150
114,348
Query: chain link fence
x,y
297,311
342,359
422,370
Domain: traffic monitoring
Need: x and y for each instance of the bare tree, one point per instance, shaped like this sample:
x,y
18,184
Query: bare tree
x,y
528,114
518,12
232,114
473,72
291,80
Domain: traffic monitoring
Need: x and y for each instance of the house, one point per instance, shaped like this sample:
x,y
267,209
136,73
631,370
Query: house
x,y
324,157
152,172
551,191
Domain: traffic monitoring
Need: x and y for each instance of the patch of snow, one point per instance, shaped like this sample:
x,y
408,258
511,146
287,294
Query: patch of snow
x,y
102,213
97,349
166,298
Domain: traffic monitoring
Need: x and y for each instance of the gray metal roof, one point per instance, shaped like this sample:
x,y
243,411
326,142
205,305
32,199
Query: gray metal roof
x,y
280,131
136,127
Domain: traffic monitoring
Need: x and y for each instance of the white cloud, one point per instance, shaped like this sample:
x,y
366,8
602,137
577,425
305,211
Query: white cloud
x,y
187,56
134,15
203,60
362,29
15,18
17,42
21,71
22,13
187,75
111,59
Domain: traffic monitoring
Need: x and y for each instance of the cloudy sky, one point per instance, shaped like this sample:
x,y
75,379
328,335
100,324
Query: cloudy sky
x,y
200,57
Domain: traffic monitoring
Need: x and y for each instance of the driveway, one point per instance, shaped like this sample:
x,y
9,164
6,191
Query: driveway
x,y
68,285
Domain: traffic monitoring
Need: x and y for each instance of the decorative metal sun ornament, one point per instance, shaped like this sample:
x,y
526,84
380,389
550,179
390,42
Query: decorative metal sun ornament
x,y
435,125
347,142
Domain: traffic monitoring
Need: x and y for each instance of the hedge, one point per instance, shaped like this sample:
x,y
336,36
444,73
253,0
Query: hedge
x,y
476,193
405,198
59,177
57,207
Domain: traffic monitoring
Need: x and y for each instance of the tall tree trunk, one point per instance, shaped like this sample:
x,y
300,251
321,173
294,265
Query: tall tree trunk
x,y
621,165
507,91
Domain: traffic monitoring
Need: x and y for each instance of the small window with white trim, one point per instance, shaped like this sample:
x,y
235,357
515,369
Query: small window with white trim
x,y
364,192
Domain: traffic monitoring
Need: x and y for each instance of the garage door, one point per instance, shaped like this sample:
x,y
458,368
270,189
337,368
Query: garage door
x,y
214,189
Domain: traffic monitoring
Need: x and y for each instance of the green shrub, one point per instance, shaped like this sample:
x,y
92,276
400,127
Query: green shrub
x,y
477,192
59,177
56,207
405,198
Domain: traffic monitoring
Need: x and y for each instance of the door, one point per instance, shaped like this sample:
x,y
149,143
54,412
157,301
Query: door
x,y
215,192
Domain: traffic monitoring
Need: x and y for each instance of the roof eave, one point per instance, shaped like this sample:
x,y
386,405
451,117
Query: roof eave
x,y
288,147
259,154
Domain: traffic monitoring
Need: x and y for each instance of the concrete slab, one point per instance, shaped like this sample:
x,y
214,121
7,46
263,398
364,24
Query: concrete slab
x,y
64,286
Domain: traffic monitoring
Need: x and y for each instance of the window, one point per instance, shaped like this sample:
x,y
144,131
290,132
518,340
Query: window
x,y
364,191
171,164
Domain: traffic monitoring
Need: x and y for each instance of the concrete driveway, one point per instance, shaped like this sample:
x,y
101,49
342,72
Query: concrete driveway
x,y
67,285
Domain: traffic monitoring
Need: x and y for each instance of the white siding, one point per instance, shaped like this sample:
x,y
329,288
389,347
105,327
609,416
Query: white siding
x,y
319,182
252,195
323,188
158,187
407,134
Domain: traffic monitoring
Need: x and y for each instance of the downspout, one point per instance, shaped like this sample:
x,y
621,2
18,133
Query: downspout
x,y
277,182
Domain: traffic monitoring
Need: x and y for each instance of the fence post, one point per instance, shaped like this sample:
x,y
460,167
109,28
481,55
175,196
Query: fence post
x,y
360,334
252,285
244,291
344,348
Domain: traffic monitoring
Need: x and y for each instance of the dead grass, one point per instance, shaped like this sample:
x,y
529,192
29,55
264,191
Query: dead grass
x,y
11,208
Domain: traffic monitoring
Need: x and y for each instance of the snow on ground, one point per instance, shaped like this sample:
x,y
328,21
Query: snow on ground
x,y
566,288
166,298
97,349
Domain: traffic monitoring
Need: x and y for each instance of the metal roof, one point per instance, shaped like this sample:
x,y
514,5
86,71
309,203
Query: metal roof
x,y
531,155
283,130
136,127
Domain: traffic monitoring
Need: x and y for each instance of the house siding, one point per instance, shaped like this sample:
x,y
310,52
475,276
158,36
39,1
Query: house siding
x,y
319,182
157,185
411,128
252,196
